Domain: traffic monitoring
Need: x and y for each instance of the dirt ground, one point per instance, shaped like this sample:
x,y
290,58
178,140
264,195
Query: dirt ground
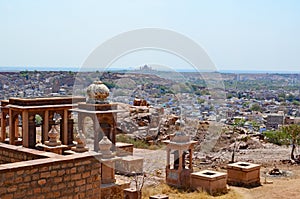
x,y
281,188
278,187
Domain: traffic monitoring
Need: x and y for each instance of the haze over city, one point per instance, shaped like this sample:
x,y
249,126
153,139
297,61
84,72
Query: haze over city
x,y
237,35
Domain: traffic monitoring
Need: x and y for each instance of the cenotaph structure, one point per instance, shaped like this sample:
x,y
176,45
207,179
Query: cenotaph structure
x,y
177,171
103,113
24,110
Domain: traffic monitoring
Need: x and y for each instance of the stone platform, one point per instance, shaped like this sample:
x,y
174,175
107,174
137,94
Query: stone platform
x,y
212,182
54,149
129,165
243,174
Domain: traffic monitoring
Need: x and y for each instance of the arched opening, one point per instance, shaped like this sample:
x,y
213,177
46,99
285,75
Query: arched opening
x,y
105,130
16,130
174,159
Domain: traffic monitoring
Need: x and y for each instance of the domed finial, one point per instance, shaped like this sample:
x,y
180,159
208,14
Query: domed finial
x,y
104,147
81,145
53,134
179,124
97,93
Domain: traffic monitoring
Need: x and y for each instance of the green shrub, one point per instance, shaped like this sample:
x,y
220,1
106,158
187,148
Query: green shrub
x,y
276,137
136,143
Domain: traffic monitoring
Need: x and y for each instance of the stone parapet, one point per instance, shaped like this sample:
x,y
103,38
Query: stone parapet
x,y
72,176
11,153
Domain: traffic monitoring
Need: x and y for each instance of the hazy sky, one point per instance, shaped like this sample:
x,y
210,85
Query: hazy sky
x,y
236,34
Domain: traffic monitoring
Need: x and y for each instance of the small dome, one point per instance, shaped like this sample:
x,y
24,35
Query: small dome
x,y
180,123
53,133
105,145
181,137
97,92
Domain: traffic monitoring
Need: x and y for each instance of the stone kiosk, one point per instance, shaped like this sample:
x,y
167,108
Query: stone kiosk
x,y
104,116
103,113
178,172
26,109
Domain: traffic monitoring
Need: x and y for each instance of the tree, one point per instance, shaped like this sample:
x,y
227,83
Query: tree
x,y
139,181
292,133
290,97
256,107
38,120
238,122
286,135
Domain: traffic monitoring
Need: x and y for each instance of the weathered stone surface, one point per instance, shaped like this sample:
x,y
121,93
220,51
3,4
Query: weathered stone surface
x,y
212,182
130,164
243,174
45,179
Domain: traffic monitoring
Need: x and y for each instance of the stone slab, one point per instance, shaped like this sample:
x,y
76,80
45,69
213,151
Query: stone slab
x,y
129,165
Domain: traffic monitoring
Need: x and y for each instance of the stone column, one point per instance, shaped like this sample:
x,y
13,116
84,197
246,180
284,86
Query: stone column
x,y
65,127
45,128
16,123
31,132
191,159
180,160
168,158
80,121
96,133
113,138
25,128
70,131
108,171
11,128
3,127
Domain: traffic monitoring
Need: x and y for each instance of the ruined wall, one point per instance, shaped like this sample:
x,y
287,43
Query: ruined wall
x,y
72,176
10,153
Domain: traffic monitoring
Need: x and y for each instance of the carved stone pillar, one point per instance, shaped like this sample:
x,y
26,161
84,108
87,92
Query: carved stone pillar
x,y
45,127
25,128
3,126
11,128
31,132
70,131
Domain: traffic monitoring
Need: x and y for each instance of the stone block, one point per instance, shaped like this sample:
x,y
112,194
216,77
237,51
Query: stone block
x,y
212,182
124,149
243,174
129,165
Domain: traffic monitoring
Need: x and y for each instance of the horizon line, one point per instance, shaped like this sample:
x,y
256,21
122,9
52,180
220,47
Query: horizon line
x,y
78,69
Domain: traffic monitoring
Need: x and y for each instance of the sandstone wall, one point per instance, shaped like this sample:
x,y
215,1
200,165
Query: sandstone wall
x,y
10,153
72,176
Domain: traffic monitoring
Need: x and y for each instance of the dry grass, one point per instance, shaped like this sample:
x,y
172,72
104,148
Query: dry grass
x,y
174,193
